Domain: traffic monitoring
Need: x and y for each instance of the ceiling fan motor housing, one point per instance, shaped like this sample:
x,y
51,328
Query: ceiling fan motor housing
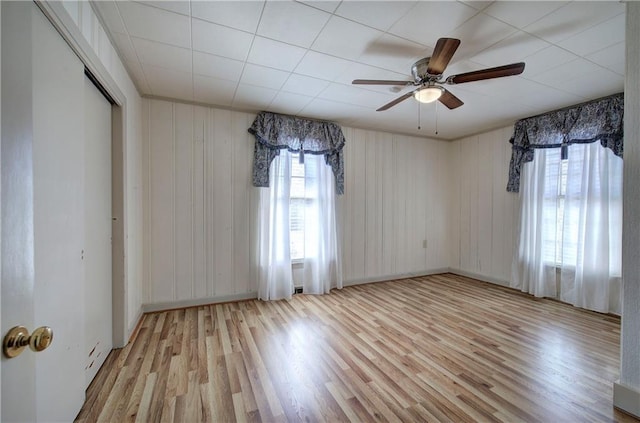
x,y
419,70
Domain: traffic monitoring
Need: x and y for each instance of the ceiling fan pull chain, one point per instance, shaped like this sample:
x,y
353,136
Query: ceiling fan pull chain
x,y
419,116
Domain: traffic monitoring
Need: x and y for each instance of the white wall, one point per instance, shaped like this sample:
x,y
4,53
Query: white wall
x,y
396,194
626,393
484,214
91,29
200,206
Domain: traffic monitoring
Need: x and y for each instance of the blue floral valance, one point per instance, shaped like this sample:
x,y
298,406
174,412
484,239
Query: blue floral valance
x,y
597,120
275,132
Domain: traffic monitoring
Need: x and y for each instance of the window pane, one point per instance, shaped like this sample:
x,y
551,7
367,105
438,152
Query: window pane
x,y
297,168
297,187
296,208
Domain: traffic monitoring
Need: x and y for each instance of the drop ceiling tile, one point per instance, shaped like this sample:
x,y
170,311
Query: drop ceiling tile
x,y
111,16
394,53
134,69
169,83
275,54
289,103
612,58
250,97
361,71
512,49
155,24
243,15
477,4
305,85
574,18
522,13
598,83
293,23
479,33
425,22
515,90
181,7
321,66
327,6
356,96
596,38
220,40
263,77
377,14
213,90
332,39
162,55
217,66
579,69
124,47
331,110
546,59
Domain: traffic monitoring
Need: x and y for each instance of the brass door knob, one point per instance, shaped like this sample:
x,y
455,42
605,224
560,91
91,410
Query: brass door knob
x,y
16,340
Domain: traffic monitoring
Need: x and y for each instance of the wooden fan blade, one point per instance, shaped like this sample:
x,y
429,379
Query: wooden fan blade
x,y
380,82
450,100
394,102
497,72
442,54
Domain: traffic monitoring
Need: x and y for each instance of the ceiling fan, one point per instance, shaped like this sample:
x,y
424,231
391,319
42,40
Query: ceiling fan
x,y
427,77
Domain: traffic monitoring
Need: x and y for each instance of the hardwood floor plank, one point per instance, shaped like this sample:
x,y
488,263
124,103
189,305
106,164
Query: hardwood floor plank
x,y
441,348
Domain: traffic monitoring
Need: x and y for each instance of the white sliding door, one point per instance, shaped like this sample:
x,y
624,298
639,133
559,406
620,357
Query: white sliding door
x,y
97,235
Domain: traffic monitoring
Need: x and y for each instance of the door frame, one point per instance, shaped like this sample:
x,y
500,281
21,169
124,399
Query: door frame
x,y
62,22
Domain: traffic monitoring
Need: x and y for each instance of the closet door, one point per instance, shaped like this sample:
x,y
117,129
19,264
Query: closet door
x,y
97,215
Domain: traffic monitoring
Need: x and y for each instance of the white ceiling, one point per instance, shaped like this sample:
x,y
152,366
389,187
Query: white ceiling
x,y
299,58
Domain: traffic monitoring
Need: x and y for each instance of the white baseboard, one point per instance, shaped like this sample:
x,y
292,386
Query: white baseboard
x,y
388,278
479,277
169,305
626,399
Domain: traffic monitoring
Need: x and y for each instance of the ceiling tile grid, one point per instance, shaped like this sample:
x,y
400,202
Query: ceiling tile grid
x,y
299,57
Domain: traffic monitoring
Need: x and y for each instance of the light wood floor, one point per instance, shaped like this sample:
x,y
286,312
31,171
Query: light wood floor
x,y
437,348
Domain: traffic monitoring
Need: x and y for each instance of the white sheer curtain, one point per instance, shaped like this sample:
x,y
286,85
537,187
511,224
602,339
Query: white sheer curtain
x,y
322,262
570,235
322,265
275,280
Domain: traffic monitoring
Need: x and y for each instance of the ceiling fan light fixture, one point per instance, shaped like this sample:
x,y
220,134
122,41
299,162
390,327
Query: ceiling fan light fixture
x,y
428,94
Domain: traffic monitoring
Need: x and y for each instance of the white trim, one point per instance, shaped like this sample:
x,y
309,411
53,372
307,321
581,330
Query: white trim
x,y
170,305
135,322
626,399
479,277
389,278
62,22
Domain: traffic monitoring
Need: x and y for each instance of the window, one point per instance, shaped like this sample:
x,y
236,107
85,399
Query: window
x,y
571,186
303,175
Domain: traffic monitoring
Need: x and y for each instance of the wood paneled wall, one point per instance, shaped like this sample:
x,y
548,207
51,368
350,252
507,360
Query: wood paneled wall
x,y
484,214
200,207
395,203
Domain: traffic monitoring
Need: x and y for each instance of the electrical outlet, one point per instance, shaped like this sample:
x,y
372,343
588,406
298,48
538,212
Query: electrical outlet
x,y
297,290
424,244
